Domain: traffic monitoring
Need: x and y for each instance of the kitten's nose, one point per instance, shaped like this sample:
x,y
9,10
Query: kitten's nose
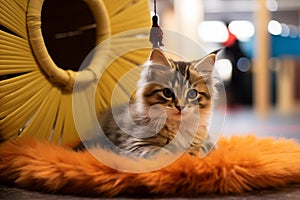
x,y
180,108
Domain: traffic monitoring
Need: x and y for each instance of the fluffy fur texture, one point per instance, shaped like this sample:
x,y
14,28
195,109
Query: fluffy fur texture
x,y
170,111
239,164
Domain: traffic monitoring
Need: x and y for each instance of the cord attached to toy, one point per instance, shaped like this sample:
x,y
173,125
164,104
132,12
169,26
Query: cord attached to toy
x,y
156,34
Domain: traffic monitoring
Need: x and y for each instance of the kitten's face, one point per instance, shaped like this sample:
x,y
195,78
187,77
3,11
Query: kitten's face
x,y
182,90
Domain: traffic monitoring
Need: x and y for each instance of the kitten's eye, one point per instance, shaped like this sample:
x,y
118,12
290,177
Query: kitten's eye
x,y
192,94
168,93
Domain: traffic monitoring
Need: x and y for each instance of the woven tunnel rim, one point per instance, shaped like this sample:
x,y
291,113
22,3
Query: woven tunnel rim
x,y
57,75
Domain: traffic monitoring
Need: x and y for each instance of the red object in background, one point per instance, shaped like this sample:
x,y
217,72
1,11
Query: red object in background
x,y
230,40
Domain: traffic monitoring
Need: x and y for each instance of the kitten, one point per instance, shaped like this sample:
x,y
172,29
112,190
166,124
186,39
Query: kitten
x,y
170,110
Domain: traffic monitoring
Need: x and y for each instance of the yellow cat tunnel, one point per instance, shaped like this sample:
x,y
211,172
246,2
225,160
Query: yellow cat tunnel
x,y
37,85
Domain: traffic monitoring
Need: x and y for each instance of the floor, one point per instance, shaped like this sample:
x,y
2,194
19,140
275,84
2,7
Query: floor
x,y
241,121
238,121
290,193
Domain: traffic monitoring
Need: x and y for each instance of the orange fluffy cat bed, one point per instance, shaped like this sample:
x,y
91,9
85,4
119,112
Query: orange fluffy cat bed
x,y
239,164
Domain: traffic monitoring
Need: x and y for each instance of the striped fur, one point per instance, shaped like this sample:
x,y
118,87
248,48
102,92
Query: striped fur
x,y
170,111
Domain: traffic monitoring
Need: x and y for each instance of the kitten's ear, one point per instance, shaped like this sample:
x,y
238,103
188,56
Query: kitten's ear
x,y
158,57
206,64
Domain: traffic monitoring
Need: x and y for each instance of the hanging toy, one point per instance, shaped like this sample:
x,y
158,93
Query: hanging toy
x,y
156,34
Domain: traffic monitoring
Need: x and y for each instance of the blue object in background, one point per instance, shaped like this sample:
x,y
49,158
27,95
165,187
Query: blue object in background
x,y
280,46
285,46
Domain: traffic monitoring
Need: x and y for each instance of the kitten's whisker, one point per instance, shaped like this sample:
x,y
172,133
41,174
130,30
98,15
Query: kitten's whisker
x,y
158,118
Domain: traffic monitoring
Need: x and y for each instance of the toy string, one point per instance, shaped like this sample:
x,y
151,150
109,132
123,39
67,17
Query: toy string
x,y
155,7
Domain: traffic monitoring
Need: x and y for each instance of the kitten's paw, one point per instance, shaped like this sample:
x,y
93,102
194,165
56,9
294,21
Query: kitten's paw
x,y
149,153
193,152
164,151
206,148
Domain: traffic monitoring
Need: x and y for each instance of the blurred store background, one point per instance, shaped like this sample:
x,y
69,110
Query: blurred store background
x,y
260,63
